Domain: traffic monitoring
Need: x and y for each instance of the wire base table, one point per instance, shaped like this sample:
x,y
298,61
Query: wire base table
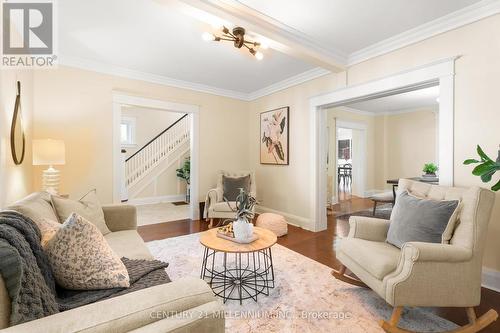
x,y
238,271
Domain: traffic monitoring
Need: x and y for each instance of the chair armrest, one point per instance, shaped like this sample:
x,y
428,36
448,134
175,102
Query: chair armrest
x,y
127,312
433,252
368,228
120,217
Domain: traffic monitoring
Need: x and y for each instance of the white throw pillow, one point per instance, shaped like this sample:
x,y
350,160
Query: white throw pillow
x,y
88,207
81,259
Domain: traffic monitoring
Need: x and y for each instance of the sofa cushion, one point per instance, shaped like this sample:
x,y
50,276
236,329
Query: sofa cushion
x,y
88,207
36,206
48,229
415,219
128,243
232,185
377,258
81,259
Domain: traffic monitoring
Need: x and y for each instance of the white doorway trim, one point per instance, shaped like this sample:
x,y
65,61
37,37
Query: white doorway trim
x,y
120,99
353,125
440,73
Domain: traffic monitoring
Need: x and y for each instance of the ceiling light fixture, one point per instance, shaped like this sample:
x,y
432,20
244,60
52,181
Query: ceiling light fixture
x,y
238,39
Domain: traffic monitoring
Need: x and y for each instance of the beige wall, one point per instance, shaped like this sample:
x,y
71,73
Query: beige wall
x,y
149,123
15,180
404,142
76,106
286,188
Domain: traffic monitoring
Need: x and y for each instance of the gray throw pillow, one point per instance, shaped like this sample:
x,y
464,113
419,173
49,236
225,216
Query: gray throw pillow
x,y
419,220
231,186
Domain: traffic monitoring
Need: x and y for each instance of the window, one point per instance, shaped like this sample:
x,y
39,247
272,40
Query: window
x,y
127,131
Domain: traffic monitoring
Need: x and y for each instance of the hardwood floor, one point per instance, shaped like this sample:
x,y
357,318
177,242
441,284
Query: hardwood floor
x,y
319,246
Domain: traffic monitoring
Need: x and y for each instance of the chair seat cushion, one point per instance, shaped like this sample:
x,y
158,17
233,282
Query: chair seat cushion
x,y
386,197
377,258
223,207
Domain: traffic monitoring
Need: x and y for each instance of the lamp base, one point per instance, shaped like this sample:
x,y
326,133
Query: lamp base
x,y
51,179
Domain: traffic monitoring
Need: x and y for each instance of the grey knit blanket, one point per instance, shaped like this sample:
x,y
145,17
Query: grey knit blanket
x,y
29,281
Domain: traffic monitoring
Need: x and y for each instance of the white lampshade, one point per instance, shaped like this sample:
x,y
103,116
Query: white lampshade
x,y
49,152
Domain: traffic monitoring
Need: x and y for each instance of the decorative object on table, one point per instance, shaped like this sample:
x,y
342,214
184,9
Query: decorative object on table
x,y
486,168
242,227
215,205
444,274
274,133
238,38
185,173
17,138
251,273
274,222
49,152
227,232
429,170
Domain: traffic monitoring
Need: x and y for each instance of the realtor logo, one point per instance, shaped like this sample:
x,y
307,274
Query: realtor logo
x,y
28,34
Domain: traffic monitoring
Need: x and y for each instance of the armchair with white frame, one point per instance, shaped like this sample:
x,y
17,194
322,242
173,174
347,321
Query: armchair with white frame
x,y
216,207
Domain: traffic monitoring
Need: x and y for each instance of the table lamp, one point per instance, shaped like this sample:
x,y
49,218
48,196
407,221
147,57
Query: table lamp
x,y
49,152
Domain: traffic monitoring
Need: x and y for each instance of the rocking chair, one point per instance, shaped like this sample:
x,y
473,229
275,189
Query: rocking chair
x,y
423,274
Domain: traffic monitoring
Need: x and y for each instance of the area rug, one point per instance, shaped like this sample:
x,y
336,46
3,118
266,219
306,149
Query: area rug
x,y
306,297
382,212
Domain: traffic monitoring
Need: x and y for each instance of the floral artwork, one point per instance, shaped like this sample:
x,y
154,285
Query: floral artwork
x,y
274,136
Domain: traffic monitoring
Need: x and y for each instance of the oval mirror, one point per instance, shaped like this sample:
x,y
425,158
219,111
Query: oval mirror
x,y
17,140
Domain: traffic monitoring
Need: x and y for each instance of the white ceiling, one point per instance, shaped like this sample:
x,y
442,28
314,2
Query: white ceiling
x,y
146,36
155,39
401,102
347,26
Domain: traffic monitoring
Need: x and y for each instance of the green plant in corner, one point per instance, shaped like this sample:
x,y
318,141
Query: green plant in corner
x,y
486,167
430,169
185,173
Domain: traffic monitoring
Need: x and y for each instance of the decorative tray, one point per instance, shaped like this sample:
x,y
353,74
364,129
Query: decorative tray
x,y
232,239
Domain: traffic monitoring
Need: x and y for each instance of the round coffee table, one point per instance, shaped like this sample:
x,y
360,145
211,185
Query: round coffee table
x,y
238,271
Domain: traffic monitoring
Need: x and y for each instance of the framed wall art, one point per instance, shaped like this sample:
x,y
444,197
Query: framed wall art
x,y
274,136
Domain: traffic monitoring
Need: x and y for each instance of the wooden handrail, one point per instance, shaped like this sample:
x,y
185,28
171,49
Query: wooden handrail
x,y
156,137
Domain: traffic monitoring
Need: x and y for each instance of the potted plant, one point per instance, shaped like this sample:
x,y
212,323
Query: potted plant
x,y
242,228
486,167
184,173
430,170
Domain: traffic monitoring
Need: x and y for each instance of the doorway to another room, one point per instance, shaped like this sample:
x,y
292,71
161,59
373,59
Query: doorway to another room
x,y
156,164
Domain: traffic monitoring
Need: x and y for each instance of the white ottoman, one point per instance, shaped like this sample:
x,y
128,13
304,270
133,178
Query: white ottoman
x,y
274,222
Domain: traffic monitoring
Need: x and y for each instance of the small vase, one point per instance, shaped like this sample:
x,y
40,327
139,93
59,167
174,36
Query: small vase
x,y
242,230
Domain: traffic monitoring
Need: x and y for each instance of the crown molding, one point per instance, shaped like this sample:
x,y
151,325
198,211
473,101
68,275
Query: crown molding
x,y
147,77
443,24
287,83
167,81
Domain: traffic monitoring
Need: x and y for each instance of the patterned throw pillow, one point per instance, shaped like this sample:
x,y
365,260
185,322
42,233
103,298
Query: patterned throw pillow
x,y
48,229
88,207
81,259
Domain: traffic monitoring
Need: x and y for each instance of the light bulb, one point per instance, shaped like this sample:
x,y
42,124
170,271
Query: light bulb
x,y
264,45
259,55
207,36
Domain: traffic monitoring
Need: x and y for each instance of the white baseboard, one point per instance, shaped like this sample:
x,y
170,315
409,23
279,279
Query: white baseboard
x,y
160,199
298,221
491,279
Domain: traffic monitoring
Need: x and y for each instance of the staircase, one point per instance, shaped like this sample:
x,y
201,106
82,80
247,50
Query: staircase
x,y
156,156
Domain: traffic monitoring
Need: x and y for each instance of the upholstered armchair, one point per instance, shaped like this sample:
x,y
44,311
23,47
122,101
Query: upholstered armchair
x,y
216,206
423,274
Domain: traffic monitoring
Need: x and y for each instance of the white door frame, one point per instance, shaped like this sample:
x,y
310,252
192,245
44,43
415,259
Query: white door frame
x,y
441,72
353,125
120,99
